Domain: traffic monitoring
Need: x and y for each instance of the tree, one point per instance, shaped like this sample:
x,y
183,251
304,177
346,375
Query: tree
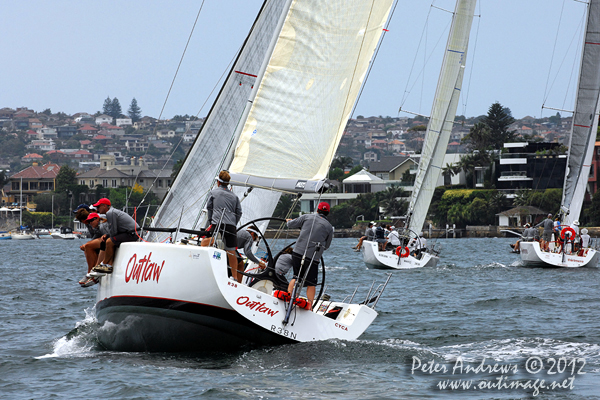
x,y
478,138
498,120
449,171
176,168
408,178
134,112
107,106
3,179
66,177
342,162
115,108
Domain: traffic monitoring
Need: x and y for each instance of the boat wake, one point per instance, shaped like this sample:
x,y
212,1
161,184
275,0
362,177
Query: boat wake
x,y
79,342
517,348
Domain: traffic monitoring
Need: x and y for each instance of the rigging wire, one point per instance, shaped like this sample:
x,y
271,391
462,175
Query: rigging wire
x,y
426,58
167,98
576,35
553,52
466,96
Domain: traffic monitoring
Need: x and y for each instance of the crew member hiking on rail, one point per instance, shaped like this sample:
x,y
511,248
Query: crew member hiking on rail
x,y
314,229
122,228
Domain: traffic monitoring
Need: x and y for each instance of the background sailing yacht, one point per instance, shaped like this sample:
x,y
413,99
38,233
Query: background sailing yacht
x,y
581,146
436,141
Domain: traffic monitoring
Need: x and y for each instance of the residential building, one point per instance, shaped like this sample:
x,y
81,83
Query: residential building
x,y
537,165
103,119
35,179
41,145
112,175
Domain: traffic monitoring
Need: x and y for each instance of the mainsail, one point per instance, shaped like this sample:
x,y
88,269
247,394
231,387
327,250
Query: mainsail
x,y
189,191
282,111
585,118
442,114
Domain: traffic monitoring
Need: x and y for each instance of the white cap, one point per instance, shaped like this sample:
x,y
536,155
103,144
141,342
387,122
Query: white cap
x,y
576,223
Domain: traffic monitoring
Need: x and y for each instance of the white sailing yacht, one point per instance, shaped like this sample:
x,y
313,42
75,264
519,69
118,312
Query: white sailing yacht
x,y
434,148
581,148
275,126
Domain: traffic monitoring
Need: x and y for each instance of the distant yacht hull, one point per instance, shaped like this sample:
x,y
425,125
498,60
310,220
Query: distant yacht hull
x,y
389,260
532,255
22,236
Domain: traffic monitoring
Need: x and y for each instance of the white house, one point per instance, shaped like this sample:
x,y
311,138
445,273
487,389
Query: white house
x,y
44,145
103,119
123,122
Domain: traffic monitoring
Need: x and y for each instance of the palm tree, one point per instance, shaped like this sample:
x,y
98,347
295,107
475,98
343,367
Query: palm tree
x,y
449,171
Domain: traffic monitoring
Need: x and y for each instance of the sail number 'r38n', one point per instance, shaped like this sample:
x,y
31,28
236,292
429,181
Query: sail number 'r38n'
x,y
283,332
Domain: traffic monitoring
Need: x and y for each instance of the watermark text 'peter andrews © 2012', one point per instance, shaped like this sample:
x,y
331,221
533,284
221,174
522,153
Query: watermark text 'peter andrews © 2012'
x,y
534,375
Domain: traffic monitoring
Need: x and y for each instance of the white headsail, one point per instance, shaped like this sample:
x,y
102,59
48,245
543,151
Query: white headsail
x,y
442,113
585,118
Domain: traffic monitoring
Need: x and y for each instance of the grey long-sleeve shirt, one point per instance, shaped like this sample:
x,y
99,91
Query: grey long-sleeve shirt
x,y
244,240
548,225
119,221
313,228
222,199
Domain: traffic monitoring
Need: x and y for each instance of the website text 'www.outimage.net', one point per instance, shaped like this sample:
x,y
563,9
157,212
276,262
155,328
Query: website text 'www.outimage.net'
x,y
534,375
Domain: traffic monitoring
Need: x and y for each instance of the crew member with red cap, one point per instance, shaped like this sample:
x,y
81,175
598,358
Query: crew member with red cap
x,y
314,229
122,229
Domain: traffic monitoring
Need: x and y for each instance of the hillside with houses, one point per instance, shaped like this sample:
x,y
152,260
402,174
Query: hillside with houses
x,y
375,154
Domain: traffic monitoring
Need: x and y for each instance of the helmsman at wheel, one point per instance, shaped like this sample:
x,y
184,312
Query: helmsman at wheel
x,y
314,230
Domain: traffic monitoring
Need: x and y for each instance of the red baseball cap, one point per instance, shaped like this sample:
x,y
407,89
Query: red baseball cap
x,y
91,216
323,206
102,201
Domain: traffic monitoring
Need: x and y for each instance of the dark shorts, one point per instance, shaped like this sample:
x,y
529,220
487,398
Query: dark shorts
x,y
547,236
311,278
229,233
124,237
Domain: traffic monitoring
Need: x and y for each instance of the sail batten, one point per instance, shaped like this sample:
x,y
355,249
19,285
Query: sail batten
x,y
585,118
442,113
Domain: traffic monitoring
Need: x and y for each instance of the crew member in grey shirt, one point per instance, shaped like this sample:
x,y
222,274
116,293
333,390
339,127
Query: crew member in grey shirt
x,y
548,225
314,228
245,240
224,213
122,228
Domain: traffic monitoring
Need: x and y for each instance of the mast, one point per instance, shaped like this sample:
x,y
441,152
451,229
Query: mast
x,y
442,114
585,119
21,205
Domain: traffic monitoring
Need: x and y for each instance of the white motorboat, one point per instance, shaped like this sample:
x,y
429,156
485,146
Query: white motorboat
x,y
437,136
581,148
300,59
64,233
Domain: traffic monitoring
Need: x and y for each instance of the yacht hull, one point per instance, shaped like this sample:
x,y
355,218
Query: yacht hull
x,y
167,297
532,255
389,260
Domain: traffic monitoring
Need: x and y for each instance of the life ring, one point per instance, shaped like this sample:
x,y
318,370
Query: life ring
x,y
402,252
565,230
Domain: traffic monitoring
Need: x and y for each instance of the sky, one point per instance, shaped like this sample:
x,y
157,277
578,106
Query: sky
x,y
70,56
